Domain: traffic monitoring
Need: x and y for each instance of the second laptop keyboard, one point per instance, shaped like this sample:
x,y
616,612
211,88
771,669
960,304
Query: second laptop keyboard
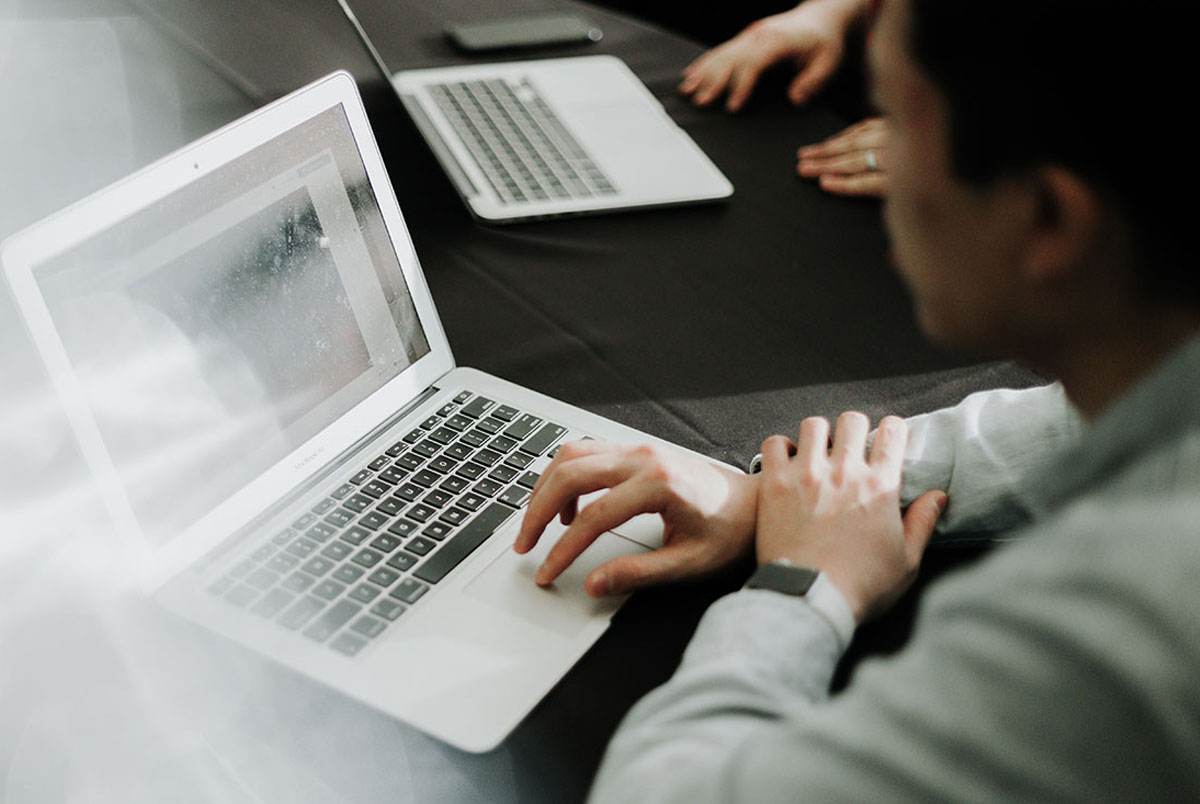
x,y
518,141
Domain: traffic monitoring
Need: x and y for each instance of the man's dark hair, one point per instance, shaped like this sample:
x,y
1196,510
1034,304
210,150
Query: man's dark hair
x,y
1096,86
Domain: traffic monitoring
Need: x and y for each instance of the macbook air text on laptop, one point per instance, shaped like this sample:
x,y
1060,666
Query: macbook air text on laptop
x,y
246,348
552,137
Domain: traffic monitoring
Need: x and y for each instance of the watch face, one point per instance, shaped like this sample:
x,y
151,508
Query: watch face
x,y
784,578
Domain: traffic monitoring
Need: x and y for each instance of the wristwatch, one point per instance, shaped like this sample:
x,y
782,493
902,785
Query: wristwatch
x,y
814,586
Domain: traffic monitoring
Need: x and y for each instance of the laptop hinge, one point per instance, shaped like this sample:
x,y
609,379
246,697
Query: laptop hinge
x,y
319,479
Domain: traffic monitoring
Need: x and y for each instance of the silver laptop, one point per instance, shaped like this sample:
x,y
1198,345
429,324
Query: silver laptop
x,y
552,137
245,345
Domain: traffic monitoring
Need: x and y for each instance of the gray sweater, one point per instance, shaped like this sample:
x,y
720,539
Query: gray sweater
x,y
1064,667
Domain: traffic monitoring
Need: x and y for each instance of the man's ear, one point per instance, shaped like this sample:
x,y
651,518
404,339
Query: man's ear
x,y
1068,227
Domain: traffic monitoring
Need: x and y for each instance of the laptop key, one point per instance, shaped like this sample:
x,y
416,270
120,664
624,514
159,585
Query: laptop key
x,y
540,441
283,537
385,542
505,412
367,557
241,594
380,462
475,438
463,543
402,527
438,498
337,551
519,460
490,425
427,448
460,422
347,573
334,618
373,521
304,521
368,626
364,593
328,589
502,474
391,506
393,475
358,503
472,501
348,644
301,548
264,552
402,561
427,478
502,443
462,396
339,517
528,480
477,407
343,491
361,477
272,603
487,457
443,464
430,423
444,435
414,436
383,577
297,582
514,496
262,579
454,484
437,531
387,609
320,532
487,488
447,409
356,535
410,491
420,546
409,462
421,512
317,566
377,488
523,426
300,612
409,591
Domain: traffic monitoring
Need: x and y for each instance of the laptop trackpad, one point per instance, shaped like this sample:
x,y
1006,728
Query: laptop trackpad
x,y
563,607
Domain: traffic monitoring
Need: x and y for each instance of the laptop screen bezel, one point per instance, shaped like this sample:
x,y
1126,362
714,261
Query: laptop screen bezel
x,y
24,252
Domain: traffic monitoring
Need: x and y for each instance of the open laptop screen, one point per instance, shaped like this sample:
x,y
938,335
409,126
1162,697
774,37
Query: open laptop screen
x,y
220,328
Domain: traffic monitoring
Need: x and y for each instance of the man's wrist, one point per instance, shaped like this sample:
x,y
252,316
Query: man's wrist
x,y
814,587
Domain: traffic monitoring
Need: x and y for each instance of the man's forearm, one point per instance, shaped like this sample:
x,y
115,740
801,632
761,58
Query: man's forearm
x,y
755,656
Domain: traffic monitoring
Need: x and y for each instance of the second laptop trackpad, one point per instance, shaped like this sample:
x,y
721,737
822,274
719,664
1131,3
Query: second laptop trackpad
x,y
563,607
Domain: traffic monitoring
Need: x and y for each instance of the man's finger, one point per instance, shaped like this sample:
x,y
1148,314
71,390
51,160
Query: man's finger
x,y
919,521
671,563
619,505
812,443
850,436
560,486
887,450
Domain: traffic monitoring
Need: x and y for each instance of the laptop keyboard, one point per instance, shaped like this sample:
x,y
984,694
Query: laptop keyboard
x,y
375,545
518,142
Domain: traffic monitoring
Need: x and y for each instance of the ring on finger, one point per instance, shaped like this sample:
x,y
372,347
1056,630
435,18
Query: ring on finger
x,y
872,160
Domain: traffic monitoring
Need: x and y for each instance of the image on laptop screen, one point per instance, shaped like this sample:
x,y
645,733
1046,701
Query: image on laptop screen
x,y
208,353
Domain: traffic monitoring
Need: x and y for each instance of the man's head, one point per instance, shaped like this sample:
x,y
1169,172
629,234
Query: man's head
x,y
1030,199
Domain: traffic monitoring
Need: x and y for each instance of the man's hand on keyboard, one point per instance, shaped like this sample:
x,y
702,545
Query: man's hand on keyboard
x,y
708,512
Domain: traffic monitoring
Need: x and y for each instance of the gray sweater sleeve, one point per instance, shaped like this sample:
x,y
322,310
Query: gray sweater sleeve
x,y
1063,669
979,452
